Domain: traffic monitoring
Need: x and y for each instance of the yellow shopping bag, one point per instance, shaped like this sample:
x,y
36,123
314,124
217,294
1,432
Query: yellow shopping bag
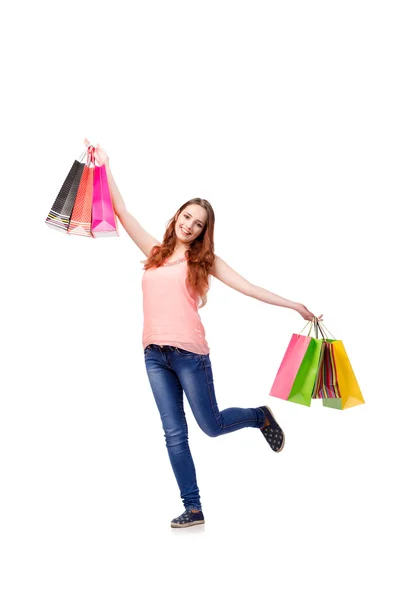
x,y
347,388
350,393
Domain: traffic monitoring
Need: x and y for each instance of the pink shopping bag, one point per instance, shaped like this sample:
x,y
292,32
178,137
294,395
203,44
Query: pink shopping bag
x,y
290,366
104,222
291,363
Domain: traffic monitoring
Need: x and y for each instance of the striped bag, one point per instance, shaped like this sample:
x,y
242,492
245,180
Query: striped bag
x,y
61,211
326,383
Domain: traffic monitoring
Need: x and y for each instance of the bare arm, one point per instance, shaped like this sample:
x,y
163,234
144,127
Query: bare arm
x,y
222,271
260,293
143,240
118,202
137,233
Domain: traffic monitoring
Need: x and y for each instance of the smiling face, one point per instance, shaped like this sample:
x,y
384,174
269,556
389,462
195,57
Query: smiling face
x,y
192,219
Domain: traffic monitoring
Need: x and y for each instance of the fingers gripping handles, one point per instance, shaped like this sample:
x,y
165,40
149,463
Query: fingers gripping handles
x,y
89,153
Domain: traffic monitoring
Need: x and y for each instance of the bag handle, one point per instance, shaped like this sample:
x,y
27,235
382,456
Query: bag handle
x,y
318,326
314,320
308,332
89,153
90,156
325,330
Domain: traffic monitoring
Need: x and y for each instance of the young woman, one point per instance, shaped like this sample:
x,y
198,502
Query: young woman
x,y
176,353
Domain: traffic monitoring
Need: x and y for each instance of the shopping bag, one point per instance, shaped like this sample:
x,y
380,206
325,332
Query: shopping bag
x,y
104,222
81,217
336,383
304,383
324,372
60,213
326,383
290,365
350,393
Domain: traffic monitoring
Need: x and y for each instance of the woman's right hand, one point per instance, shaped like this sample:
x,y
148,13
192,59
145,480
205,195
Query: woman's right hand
x,y
99,153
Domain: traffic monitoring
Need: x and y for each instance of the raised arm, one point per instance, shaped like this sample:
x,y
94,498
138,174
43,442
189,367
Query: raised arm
x,y
136,232
143,240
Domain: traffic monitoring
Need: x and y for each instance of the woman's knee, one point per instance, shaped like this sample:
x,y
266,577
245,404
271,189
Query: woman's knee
x,y
177,436
212,430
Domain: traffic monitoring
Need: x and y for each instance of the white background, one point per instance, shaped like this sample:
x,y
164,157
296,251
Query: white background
x,y
285,116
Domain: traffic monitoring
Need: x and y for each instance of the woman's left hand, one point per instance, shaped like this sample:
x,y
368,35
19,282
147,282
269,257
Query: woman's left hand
x,y
99,153
306,314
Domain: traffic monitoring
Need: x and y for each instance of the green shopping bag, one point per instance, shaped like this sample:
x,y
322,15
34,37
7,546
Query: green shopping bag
x,y
304,383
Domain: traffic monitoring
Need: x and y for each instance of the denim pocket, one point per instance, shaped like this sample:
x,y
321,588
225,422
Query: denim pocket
x,y
185,352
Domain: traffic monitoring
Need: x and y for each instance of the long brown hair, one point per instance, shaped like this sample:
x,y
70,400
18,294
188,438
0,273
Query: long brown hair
x,y
200,254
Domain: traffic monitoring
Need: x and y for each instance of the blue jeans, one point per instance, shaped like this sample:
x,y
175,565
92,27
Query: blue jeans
x,y
172,371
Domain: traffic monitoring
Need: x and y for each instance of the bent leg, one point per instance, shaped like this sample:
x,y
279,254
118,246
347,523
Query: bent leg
x,y
196,377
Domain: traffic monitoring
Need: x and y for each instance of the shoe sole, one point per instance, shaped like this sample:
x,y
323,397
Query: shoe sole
x,y
180,525
283,441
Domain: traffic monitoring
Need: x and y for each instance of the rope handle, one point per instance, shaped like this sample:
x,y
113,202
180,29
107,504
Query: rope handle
x,y
318,328
89,153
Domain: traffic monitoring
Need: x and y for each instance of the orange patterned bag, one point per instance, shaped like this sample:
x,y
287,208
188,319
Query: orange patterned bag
x,y
81,218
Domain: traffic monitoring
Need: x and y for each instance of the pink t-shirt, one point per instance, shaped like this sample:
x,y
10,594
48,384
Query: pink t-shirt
x,y
170,310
